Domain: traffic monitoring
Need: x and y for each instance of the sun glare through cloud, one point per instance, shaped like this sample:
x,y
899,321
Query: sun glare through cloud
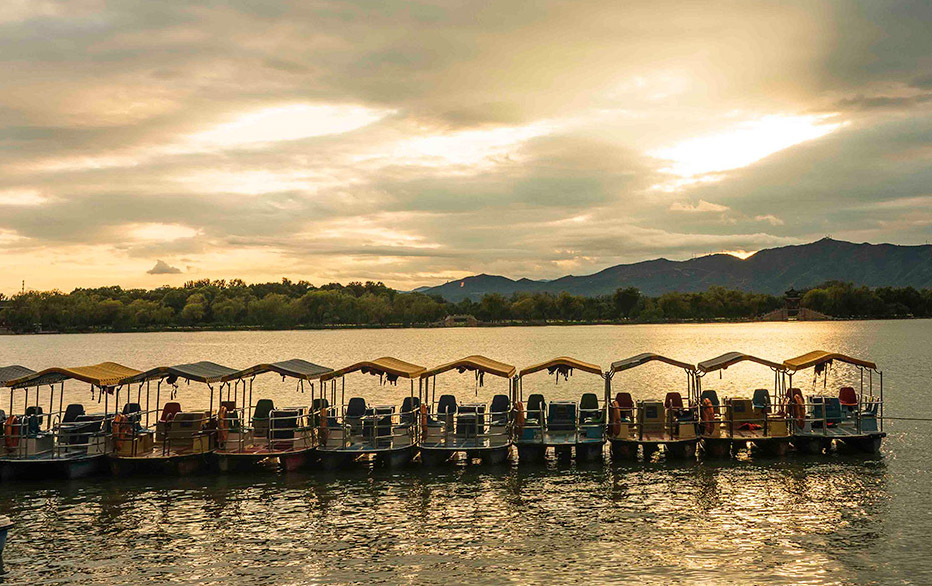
x,y
742,145
290,122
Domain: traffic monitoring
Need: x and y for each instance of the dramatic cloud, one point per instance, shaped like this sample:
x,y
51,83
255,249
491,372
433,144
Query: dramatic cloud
x,y
163,268
419,142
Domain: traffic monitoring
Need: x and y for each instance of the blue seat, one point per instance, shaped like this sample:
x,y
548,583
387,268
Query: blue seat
x,y
409,409
72,412
833,413
33,420
355,410
535,410
761,400
499,409
712,396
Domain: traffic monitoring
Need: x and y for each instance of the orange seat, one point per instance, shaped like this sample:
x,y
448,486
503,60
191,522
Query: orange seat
x,y
673,401
169,411
624,400
848,397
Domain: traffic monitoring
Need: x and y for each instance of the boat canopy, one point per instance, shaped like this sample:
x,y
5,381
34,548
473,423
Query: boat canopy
x,y
105,374
202,372
640,359
561,362
13,372
474,362
386,365
817,357
725,360
294,368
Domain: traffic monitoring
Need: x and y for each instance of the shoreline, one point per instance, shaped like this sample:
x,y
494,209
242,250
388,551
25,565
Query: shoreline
x,y
502,324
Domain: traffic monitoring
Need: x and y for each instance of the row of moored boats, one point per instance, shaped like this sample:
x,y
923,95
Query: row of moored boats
x,y
143,428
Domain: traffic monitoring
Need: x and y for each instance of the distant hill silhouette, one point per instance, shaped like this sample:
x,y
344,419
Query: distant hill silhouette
x,y
772,270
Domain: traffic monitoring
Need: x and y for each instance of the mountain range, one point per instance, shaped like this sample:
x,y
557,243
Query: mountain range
x,y
772,270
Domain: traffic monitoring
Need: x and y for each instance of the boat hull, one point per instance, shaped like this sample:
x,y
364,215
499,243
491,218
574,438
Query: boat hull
x,y
172,465
52,468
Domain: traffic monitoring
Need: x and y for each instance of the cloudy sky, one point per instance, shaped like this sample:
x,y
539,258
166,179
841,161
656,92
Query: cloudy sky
x,y
147,143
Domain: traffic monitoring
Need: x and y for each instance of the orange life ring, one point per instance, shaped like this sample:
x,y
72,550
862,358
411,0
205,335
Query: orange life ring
x,y
798,409
323,432
222,424
121,427
519,416
423,412
11,431
614,418
708,416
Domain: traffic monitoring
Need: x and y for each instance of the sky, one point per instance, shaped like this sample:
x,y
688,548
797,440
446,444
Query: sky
x,y
150,143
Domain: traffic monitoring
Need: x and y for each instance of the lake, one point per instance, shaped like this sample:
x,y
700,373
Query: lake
x,y
835,519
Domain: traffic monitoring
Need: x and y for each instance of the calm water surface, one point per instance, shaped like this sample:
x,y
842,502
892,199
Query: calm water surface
x,y
837,519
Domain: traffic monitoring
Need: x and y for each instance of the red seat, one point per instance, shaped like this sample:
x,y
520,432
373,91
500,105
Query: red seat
x,y
229,405
169,411
848,397
794,391
624,401
673,401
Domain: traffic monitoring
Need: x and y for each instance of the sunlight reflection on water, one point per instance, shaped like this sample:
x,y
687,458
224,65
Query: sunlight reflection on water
x,y
834,519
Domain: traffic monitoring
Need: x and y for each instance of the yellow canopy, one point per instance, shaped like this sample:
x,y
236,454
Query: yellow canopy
x,y
474,362
816,357
385,365
565,361
646,357
105,374
730,358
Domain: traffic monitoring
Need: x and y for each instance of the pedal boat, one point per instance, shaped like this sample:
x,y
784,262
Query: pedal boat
x,y
356,431
474,428
283,436
66,442
565,427
760,421
651,423
181,442
853,418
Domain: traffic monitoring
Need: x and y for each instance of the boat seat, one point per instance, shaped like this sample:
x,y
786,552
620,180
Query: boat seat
x,y
589,411
133,412
673,401
761,400
84,426
626,403
712,396
833,413
848,397
409,408
355,410
498,410
72,412
33,420
169,411
795,391
536,406
283,423
446,405
260,417
561,416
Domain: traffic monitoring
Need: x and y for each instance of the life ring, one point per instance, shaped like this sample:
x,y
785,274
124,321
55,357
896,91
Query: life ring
x,y
708,416
323,431
121,427
11,431
423,418
798,409
519,416
222,424
614,418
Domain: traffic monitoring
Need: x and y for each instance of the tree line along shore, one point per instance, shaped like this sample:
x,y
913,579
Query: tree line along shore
x,y
207,304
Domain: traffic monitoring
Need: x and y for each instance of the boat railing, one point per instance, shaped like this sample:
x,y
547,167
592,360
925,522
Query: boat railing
x,y
863,418
58,441
284,429
182,432
470,425
379,427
